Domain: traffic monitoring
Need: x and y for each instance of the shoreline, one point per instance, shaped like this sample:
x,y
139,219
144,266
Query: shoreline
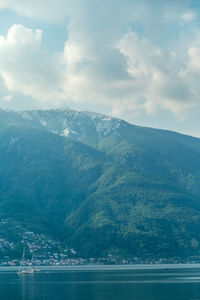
x,y
108,267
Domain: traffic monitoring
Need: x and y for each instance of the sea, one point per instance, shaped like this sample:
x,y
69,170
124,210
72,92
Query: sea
x,y
132,282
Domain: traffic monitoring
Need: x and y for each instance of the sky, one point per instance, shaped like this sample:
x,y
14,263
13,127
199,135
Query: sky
x,y
138,60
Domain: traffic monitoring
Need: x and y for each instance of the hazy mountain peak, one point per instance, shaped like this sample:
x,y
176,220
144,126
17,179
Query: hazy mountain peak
x,y
80,125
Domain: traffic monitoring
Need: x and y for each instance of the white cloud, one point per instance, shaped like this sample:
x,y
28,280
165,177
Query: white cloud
x,y
143,76
136,75
191,75
188,16
5,95
51,10
158,76
25,67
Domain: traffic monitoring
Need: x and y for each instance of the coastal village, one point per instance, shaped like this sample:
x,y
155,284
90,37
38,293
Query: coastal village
x,y
43,251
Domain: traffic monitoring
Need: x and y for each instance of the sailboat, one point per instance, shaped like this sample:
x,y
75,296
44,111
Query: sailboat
x,y
33,269
23,269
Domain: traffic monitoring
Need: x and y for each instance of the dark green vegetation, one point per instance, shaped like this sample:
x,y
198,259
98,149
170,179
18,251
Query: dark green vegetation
x,y
100,185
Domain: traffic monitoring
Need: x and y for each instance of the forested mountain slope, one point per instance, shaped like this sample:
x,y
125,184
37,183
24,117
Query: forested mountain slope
x,y
99,184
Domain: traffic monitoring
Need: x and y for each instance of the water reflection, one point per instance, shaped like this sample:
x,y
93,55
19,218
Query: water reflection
x,y
28,286
174,284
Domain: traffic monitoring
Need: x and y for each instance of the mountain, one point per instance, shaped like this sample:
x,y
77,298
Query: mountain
x,y
98,185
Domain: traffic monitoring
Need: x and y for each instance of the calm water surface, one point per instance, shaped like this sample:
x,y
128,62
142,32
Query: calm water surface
x,y
103,283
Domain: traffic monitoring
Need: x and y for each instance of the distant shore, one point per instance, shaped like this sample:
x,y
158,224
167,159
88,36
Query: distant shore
x,y
107,267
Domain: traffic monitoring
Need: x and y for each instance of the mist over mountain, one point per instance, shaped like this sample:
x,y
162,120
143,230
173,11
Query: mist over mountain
x,y
99,184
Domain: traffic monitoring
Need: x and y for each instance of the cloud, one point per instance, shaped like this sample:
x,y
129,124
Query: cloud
x,y
100,72
53,11
188,16
25,67
113,58
159,77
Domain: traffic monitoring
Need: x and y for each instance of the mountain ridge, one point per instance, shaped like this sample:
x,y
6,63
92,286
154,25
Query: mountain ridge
x,y
99,184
